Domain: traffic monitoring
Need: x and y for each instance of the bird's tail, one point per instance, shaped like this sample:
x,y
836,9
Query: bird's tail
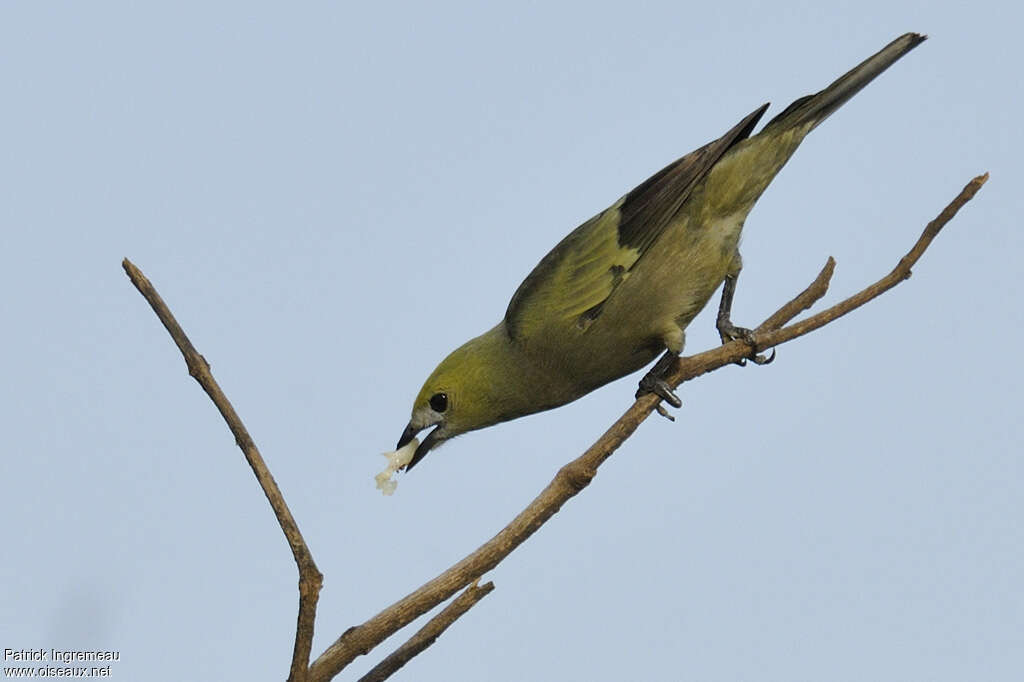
x,y
813,109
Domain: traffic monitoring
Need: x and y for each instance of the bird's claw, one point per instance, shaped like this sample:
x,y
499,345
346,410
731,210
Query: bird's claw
x,y
758,358
660,409
727,331
659,387
730,332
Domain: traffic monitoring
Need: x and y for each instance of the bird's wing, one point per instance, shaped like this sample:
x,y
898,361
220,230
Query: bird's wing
x,y
571,284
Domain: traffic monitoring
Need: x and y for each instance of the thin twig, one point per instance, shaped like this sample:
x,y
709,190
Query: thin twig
x,y
310,578
803,301
901,272
576,475
428,634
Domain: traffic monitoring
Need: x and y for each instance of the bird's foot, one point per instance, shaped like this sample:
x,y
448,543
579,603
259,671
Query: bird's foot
x,y
730,332
653,382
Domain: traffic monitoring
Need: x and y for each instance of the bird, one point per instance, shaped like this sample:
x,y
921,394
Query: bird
x,y
620,289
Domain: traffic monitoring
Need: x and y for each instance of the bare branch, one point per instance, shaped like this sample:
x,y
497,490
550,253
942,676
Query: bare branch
x,y
901,272
428,634
576,475
310,578
803,301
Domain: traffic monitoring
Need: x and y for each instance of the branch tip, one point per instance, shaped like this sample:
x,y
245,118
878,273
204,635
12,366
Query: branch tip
x,y
310,578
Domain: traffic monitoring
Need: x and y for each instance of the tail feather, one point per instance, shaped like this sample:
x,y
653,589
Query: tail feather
x,y
813,109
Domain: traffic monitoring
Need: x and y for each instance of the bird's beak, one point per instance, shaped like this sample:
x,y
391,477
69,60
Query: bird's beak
x,y
407,435
432,439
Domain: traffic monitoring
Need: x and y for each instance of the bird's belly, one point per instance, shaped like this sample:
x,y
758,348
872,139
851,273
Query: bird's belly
x,y
670,289
700,264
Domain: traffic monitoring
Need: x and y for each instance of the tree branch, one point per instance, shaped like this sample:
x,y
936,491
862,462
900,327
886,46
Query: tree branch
x,y
310,578
576,475
428,634
901,272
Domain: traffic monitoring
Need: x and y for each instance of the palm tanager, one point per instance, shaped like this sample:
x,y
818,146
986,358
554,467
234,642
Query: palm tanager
x,y
621,288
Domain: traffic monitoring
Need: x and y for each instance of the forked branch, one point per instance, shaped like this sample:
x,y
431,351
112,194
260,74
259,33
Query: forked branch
x,y
429,633
576,475
310,578
568,482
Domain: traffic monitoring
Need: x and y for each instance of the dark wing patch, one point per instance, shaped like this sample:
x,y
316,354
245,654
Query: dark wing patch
x,y
649,208
572,283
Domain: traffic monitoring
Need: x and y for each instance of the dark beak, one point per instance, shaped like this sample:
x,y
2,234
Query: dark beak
x,y
407,436
429,442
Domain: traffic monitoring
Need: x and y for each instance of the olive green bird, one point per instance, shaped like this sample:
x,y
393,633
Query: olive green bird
x,y
621,288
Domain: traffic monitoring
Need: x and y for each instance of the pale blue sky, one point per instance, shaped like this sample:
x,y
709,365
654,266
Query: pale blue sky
x,y
332,196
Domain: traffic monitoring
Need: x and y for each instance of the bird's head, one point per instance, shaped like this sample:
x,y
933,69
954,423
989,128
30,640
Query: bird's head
x,y
468,390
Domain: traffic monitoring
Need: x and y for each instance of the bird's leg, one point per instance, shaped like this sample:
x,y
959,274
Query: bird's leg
x,y
654,382
726,329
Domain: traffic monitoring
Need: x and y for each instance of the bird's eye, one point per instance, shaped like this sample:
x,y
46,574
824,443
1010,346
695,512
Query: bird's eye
x,y
439,402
